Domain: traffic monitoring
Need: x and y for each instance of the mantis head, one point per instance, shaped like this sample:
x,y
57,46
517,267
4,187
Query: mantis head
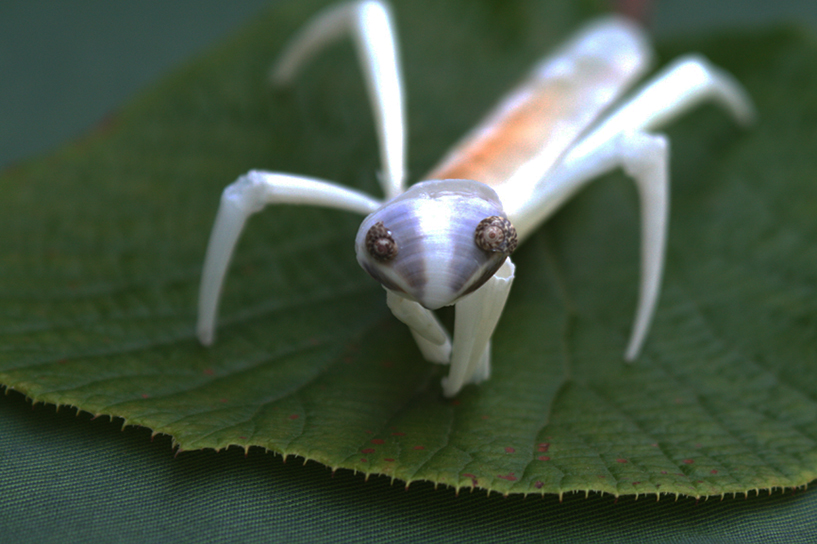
x,y
437,242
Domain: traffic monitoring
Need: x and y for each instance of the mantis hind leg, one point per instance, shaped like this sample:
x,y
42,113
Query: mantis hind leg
x,y
624,140
645,157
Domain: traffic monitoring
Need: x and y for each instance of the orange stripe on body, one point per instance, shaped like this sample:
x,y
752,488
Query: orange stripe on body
x,y
561,99
512,136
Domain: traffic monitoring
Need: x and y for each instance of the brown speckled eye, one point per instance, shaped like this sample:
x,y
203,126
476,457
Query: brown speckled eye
x,y
496,234
380,243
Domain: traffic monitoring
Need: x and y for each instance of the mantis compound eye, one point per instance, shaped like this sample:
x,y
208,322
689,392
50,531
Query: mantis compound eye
x,y
496,234
380,244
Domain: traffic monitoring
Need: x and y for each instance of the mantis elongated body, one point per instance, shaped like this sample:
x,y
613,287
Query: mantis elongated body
x,y
448,240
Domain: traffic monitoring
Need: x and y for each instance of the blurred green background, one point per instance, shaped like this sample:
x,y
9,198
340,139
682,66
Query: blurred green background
x,y
64,66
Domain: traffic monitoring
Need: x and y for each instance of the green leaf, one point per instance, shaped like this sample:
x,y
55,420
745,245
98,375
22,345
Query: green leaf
x,y
103,244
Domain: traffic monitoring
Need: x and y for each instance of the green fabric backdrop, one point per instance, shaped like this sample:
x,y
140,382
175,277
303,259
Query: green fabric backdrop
x,y
69,477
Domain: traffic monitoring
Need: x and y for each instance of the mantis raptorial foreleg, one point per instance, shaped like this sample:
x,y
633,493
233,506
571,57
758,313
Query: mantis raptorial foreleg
x,y
476,317
428,332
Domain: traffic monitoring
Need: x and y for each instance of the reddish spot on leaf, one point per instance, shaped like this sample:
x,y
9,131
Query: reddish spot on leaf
x,y
367,450
209,371
510,477
364,460
387,364
713,471
62,361
486,417
697,445
456,402
398,434
242,437
663,472
509,450
543,458
621,460
294,416
601,476
419,447
636,483
654,445
544,446
145,395
222,400
389,460
688,461
378,441
538,485
473,477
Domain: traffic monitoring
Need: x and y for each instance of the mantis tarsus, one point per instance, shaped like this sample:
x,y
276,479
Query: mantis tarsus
x,y
448,240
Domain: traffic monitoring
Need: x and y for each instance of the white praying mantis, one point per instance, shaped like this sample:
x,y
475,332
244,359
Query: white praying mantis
x,y
448,240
